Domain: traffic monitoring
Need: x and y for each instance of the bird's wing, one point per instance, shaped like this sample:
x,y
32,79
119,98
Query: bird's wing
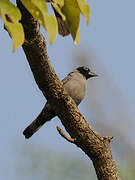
x,y
66,79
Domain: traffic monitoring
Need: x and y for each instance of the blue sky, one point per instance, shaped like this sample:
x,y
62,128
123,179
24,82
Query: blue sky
x,y
110,36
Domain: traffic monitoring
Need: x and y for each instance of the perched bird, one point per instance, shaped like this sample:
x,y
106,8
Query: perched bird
x,y
75,85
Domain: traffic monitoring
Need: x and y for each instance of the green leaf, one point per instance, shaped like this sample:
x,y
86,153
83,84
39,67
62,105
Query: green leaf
x,y
85,9
58,4
38,9
51,27
72,9
77,38
8,8
10,15
72,12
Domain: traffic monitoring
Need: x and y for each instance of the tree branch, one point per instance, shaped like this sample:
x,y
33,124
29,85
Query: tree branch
x,y
61,132
96,147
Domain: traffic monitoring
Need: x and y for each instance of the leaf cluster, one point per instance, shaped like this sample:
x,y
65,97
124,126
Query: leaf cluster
x,y
68,11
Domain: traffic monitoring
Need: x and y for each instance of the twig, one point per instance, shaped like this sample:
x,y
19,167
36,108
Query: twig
x,y
61,132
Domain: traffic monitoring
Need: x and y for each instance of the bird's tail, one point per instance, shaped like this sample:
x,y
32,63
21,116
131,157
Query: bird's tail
x,y
46,115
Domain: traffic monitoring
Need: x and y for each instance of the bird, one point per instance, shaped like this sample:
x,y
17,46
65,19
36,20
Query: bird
x,y
75,85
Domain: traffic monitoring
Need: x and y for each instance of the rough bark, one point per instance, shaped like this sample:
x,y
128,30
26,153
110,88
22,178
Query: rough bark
x,y
96,147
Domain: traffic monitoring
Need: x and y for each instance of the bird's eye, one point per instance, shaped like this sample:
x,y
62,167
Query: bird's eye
x,y
86,69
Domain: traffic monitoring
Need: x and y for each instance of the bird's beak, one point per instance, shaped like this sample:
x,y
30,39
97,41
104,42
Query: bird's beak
x,y
92,74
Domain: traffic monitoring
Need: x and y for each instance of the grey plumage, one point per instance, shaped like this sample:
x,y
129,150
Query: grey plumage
x,y
75,85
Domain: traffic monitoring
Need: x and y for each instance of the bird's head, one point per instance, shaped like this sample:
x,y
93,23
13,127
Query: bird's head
x,y
85,71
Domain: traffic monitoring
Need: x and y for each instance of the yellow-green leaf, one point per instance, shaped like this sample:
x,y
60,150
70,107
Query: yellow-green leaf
x,y
51,27
10,15
77,38
38,9
8,8
60,3
34,10
85,9
58,9
72,12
